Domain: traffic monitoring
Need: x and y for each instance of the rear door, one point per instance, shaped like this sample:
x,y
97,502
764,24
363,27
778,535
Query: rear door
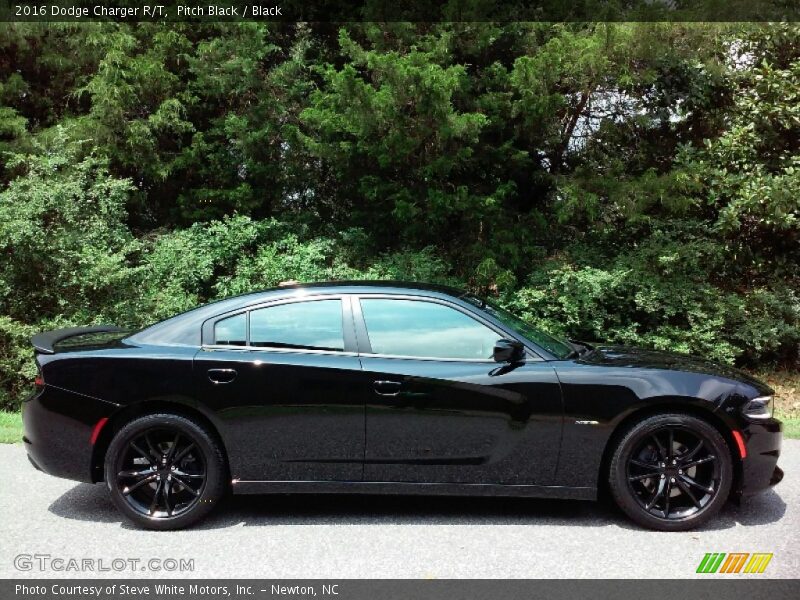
x,y
440,409
281,378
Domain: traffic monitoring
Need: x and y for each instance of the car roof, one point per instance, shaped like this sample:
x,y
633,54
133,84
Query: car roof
x,y
184,329
371,285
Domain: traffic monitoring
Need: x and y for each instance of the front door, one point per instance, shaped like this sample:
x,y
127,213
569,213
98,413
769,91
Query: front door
x,y
441,410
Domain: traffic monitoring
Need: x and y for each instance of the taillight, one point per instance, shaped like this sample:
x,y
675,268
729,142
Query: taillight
x,y
97,428
39,381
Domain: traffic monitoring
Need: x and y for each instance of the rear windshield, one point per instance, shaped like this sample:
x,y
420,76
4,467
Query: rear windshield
x,y
87,341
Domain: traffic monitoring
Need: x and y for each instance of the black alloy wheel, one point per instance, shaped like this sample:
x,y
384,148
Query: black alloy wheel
x,y
165,471
671,472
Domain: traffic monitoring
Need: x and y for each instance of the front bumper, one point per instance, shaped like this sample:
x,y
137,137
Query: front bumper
x,y
777,476
58,429
760,468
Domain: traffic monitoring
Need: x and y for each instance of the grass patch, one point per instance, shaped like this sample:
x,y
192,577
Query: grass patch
x,y
791,427
10,427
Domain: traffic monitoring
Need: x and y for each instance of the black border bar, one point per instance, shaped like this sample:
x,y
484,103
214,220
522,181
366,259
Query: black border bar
x,y
750,588
399,10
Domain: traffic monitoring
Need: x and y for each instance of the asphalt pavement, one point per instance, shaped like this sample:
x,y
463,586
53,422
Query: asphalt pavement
x,y
58,528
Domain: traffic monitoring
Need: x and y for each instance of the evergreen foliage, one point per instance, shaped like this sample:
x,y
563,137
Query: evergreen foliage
x,y
631,183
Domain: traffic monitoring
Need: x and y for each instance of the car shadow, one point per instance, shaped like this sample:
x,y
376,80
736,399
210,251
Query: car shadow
x,y
761,509
86,502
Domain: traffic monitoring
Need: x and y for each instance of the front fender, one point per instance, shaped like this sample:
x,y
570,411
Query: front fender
x,y
599,399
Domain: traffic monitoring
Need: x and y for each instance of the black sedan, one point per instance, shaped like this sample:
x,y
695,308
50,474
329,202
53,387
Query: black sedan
x,y
390,388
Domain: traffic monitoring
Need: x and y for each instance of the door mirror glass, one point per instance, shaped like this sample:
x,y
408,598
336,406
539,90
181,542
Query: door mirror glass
x,y
508,351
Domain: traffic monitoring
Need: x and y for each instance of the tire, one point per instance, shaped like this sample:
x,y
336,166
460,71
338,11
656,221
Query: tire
x,y
661,457
165,471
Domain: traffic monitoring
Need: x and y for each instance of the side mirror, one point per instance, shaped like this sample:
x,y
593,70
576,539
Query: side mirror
x,y
508,351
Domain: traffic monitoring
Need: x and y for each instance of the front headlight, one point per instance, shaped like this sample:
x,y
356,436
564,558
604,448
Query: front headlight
x,y
758,408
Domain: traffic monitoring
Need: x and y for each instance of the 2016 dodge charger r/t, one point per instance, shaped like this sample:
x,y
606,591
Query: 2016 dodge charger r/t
x,y
390,388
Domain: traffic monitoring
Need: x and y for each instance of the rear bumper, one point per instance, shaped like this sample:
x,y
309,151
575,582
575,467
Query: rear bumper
x,y
760,468
58,429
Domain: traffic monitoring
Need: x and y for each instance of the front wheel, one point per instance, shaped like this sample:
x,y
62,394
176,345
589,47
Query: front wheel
x,y
165,471
671,472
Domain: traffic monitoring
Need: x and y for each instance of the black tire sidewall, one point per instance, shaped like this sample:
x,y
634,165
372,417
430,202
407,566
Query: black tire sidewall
x,y
213,489
618,478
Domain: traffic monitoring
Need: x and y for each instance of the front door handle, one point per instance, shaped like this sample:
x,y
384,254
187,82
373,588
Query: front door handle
x,y
387,388
221,375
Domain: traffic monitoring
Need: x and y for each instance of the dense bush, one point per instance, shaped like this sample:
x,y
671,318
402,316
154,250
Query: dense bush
x,y
663,297
631,183
17,369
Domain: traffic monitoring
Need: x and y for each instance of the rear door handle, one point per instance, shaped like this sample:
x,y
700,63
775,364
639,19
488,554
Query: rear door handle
x,y
221,375
387,388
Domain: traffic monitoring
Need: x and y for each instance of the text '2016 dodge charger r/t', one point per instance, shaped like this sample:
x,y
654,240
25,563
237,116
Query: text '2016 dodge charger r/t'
x,y
390,388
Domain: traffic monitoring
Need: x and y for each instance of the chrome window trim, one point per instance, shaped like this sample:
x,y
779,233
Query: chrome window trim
x,y
429,358
249,349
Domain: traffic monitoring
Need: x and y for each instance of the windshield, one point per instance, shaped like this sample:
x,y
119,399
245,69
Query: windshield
x,y
557,347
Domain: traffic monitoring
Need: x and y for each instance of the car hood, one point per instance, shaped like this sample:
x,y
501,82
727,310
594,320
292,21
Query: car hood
x,y
626,356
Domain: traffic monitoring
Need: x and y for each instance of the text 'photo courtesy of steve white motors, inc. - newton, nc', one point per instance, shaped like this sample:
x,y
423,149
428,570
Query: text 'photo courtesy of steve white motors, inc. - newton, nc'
x,y
194,590
146,11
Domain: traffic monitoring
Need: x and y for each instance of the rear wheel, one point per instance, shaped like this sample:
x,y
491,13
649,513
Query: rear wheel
x,y
671,472
165,471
